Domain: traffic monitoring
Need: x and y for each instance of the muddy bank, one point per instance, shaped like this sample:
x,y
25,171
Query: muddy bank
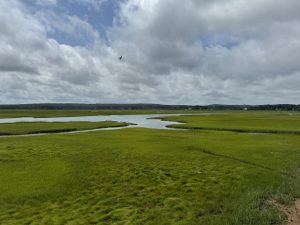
x,y
293,213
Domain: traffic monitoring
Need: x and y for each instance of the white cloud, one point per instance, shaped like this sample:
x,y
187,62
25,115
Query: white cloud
x,y
174,52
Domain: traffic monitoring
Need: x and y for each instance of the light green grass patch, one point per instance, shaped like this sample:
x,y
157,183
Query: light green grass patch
x,y
22,179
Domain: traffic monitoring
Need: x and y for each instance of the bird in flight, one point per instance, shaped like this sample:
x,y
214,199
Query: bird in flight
x,y
121,57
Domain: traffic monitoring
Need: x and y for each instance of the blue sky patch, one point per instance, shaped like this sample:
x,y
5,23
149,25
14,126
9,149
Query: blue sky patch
x,y
99,18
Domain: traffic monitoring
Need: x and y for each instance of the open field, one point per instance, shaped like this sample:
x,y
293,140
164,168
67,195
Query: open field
x,y
64,113
53,127
144,176
268,122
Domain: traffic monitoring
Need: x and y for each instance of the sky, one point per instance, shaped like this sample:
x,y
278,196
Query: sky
x,y
174,52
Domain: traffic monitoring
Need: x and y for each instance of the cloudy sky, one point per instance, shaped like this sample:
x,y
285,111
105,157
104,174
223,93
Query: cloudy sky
x,y
174,51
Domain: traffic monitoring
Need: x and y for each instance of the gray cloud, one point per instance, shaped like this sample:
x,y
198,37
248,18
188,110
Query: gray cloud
x,y
175,52
11,63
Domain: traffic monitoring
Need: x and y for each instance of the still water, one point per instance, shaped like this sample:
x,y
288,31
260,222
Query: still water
x,y
139,120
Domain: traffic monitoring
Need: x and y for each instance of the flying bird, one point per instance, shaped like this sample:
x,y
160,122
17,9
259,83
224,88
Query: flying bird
x,y
121,57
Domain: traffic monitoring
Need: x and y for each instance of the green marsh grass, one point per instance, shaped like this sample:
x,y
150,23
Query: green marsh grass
x,y
21,128
263,122
144,176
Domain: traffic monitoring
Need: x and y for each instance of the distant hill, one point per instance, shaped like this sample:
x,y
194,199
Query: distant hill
x,y
76,106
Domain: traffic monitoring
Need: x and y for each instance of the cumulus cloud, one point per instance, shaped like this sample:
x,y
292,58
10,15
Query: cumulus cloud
x,y
174,52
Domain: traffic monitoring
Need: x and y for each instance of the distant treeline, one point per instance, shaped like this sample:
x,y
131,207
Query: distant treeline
x,y
75,106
